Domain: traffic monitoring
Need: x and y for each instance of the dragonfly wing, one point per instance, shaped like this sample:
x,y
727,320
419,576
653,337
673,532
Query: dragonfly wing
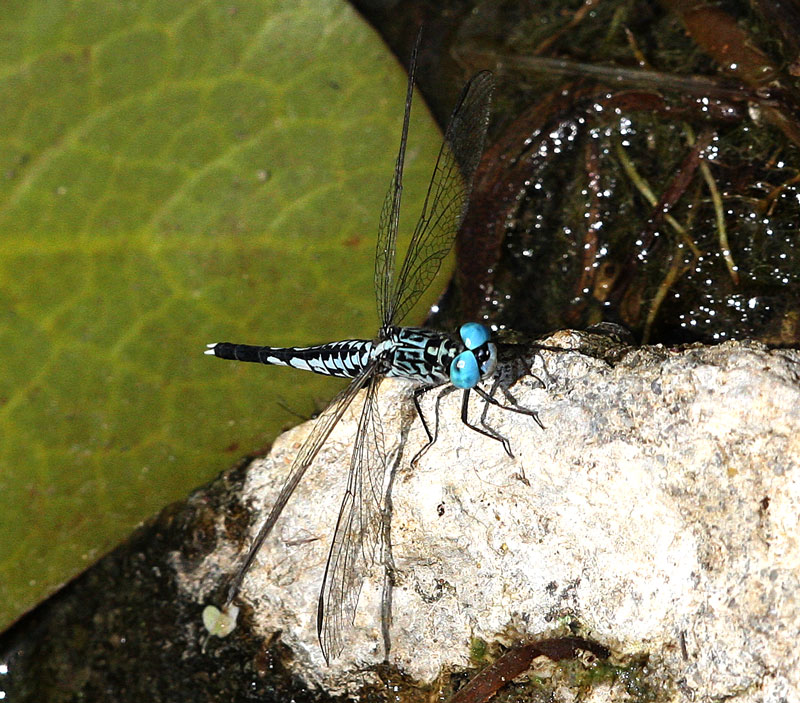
x,y
447,198
359,529
304,458
390,212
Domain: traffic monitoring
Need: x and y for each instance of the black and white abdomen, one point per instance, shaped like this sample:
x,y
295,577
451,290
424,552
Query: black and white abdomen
x,y
345,359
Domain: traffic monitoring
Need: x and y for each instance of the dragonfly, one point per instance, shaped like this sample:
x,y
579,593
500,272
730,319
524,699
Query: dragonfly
x,y
428,359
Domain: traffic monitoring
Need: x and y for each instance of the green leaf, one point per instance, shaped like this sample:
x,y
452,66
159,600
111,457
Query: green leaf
x,y
172,174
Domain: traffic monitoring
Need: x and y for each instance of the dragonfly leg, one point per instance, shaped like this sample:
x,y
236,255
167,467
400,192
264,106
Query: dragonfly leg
x,y
485,412
541,381
487,431
418,393
513,407
489,399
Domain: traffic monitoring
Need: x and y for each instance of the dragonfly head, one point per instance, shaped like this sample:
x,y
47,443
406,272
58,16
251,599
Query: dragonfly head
x,y
477,361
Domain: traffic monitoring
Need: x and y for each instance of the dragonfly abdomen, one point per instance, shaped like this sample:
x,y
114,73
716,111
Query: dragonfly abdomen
x,y
345,359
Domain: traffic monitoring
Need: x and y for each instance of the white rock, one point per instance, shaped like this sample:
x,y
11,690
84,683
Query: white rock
x,y
661,516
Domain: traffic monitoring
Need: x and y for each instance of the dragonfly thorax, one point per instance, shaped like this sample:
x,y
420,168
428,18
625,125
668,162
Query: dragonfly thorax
x,y
416,354
433,358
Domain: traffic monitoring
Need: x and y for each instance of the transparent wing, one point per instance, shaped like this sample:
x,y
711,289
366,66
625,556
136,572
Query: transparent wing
x,y
305,457
359,530
447,198
390,212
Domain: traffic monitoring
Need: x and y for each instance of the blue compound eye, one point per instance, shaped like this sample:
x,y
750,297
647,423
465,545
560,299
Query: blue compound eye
x,y
473,335
464,372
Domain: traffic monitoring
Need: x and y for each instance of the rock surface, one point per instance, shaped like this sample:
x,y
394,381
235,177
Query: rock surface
x,y
657,515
